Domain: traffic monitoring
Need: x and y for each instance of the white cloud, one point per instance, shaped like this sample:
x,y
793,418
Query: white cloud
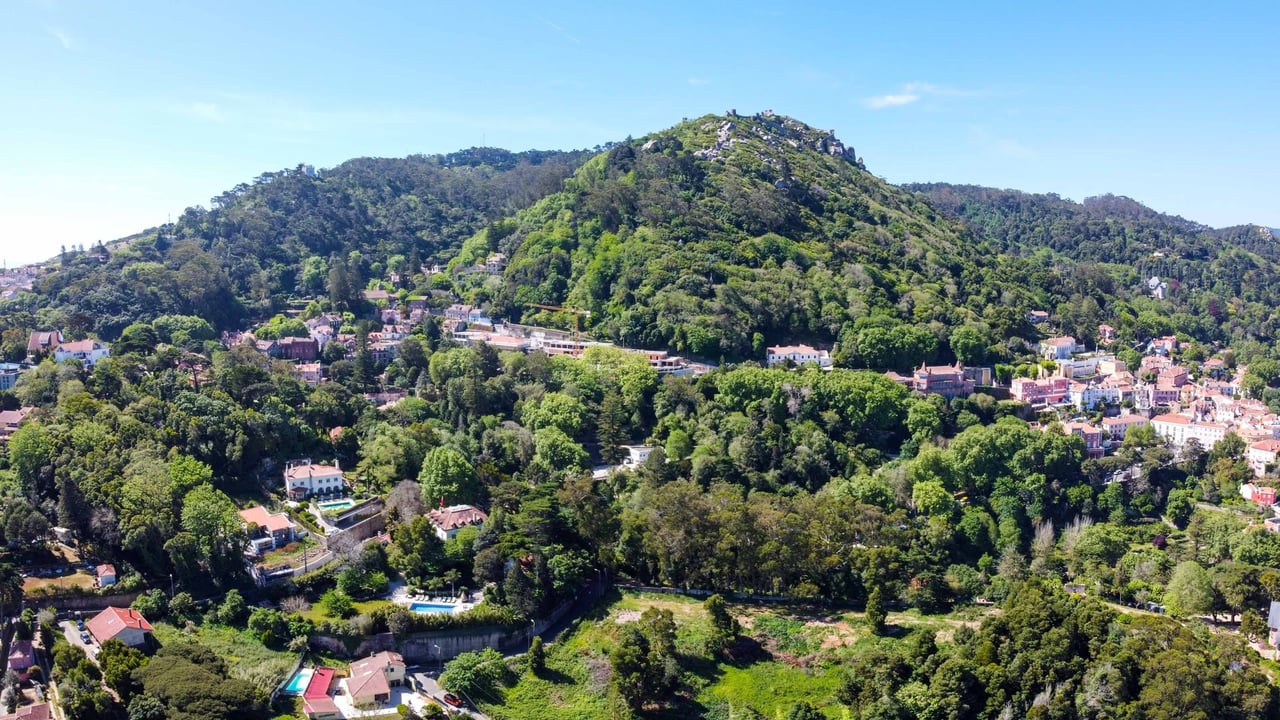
x,y
914,92
62,37
697,81
880,102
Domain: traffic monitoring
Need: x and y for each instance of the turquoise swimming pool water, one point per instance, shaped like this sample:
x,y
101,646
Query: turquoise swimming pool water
x,y
336,504
421,607
298,683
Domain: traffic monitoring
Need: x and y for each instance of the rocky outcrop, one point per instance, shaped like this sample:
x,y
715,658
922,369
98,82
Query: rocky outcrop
x,y
774,130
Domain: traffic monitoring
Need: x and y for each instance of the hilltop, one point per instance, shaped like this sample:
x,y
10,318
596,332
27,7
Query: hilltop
x,y
726,232
715,237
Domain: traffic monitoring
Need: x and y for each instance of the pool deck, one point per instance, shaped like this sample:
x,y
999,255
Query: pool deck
x,y
401,596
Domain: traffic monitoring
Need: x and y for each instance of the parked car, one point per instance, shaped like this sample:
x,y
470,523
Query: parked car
x,y
452,699
84,637
80,624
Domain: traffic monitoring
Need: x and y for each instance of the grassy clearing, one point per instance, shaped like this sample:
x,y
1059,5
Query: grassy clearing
x,y
245,656
38,586
791,656
317,614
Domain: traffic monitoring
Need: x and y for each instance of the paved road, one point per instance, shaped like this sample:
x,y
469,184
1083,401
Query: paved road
x,y
72,633
425,681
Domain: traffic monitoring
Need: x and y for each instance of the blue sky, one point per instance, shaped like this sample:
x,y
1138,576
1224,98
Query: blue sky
x,y
117,115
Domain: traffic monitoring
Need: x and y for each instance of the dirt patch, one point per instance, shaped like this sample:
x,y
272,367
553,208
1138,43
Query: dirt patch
x,y
627,616
839,634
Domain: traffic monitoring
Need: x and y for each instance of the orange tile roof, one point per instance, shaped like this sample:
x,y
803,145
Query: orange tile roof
x,y
259,516
113,621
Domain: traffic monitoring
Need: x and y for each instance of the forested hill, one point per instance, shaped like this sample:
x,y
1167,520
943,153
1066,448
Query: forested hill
x,y
724,233
244,256
1207,270
715,237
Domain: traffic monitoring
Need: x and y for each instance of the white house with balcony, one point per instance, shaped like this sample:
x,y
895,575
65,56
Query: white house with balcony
x,y
798,354
303,479
88,352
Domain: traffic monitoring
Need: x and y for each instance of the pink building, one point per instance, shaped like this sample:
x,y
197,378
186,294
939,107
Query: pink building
x,y
945,380
1036,392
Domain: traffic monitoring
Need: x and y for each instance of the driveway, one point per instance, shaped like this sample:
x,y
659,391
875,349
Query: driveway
x,y
72,633
426,683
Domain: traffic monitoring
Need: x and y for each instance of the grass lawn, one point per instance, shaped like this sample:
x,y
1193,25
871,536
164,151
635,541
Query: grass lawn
x,y
787,660
316,613
80,578
246,658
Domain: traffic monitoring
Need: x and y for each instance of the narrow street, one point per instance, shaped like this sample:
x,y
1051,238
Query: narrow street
x,y
425,681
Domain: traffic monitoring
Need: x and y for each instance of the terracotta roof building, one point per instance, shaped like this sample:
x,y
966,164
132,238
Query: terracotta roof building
x,y
303,478
449,520
316,701
124,624
40,711
273,529
371,679
43,342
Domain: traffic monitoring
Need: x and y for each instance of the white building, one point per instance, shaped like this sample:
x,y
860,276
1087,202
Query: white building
x,y
302,479
1058,348
1178,429
9,375
1118,427
798,354
88,352
1261,454
637,454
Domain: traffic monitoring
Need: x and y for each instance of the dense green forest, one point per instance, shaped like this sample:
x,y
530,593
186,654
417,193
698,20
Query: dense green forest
x,y
261,244
1221,283
831,489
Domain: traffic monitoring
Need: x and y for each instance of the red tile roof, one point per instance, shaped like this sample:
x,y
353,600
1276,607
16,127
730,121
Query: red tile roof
x,y
41,711
318,686
112,621
259,516
79,346
301,471
368,677
456,516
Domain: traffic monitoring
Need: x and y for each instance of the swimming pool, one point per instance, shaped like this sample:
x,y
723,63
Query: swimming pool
x,y
336,505
422,607
298,684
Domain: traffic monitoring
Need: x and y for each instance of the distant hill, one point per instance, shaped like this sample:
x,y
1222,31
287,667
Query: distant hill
x,y
1222,282
715,237
243,257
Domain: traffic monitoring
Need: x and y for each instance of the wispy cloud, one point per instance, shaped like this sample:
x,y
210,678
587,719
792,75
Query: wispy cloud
x,y
697,81
880,102
561,31
62,37
912,93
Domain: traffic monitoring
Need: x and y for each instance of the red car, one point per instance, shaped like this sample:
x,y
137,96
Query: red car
x,y
452,699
